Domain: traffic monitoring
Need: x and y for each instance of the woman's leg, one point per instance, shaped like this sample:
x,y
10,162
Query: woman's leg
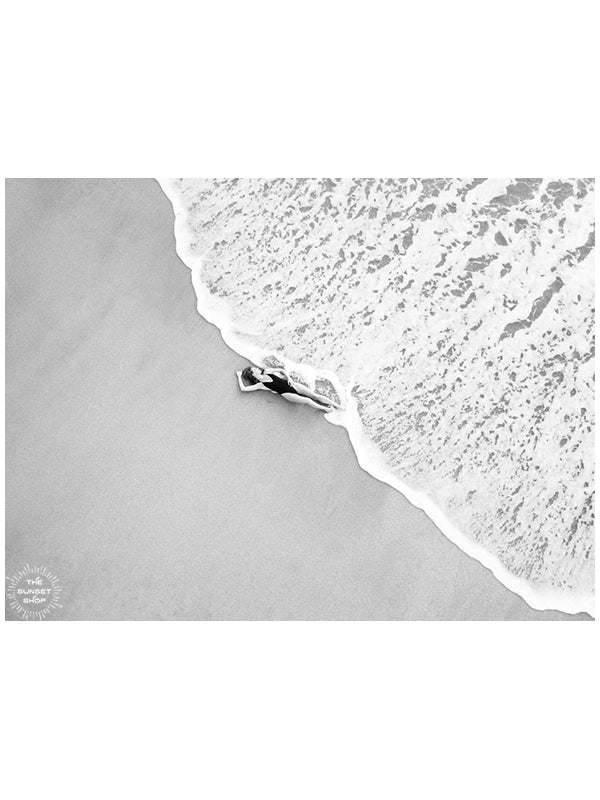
x,y
306,391
307,401
319,398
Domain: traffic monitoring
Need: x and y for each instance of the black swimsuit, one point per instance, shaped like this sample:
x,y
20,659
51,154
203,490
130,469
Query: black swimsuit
x,y
279,385
276,384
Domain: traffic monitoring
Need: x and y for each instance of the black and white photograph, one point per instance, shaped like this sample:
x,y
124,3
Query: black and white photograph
x,y
300,446
300,399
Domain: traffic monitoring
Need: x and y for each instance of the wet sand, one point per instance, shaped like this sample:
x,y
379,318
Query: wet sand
x,y
154,489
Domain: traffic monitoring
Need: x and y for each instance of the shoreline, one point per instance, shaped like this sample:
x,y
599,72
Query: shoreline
x,y
367,455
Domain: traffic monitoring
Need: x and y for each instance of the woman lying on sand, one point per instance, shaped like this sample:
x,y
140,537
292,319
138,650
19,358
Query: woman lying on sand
x,y
276,380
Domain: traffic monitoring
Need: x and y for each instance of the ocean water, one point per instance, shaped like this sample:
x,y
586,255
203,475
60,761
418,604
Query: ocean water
x,y
453,318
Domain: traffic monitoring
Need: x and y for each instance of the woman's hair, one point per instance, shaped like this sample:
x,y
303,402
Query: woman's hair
x,y
248,377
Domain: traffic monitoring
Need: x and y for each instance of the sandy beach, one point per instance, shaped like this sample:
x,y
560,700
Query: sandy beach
x,y
140,475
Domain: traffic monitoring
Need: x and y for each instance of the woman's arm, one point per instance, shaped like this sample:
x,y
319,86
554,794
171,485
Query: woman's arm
x,y
249,387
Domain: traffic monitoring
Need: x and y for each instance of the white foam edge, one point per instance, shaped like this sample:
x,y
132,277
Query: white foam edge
x,y
369,457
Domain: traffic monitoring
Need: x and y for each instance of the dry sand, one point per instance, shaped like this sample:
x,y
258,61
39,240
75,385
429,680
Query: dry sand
x,y
153,488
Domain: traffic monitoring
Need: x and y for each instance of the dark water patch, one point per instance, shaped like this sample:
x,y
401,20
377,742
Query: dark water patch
x,y
583,186
523,189
378,263
559,192
426,212
463,191
479,263
430,187
539,304
573,257
408,237
584,250
520,224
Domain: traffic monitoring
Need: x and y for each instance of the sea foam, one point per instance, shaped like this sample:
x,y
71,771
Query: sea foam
x,y
453,318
